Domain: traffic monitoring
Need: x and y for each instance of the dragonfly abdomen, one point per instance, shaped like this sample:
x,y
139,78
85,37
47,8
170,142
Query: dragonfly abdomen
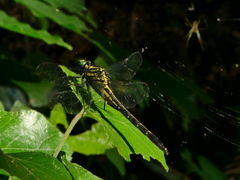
x,y
115,103
98,78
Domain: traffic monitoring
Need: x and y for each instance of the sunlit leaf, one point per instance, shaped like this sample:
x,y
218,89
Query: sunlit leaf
x,y
27,130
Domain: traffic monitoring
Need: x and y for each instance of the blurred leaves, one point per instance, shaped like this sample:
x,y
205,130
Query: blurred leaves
x,y
13,24
182,98
203,167
40,9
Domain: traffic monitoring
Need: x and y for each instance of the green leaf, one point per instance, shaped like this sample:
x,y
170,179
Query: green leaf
x,y
77,171
124,135
116,160
26,131
94,141
58,117
1,106
40,9
13,24
36,91
208,170
33,165
72,6
17,106
203,167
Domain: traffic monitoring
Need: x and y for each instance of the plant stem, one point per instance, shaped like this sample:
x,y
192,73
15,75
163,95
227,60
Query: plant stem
x,y
68,131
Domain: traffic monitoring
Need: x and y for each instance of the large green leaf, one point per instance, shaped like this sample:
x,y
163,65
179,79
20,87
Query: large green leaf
x,y
27,130
27,142
33,166
13,24
122,134
38,165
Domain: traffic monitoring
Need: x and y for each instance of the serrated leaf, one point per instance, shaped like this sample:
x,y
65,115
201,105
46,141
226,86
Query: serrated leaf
x,y
92,142
124,135
28,130
13,24
33,166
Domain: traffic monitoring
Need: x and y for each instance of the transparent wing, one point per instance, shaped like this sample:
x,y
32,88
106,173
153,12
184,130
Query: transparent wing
x,y
130,94
68,100
126,69
54,73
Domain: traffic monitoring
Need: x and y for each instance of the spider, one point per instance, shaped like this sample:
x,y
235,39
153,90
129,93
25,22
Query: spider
x,y
194,29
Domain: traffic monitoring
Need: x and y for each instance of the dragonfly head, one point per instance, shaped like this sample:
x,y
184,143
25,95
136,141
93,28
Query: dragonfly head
x,y
83,63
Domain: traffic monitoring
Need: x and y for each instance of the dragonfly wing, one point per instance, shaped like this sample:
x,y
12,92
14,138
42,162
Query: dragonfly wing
x,y
53,73
126,69
68,101
130,94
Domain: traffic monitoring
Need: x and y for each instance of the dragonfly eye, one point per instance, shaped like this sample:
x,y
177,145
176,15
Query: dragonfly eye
x,y
83,63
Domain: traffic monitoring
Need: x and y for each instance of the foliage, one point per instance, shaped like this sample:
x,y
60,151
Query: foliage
x,y
60,31
25,151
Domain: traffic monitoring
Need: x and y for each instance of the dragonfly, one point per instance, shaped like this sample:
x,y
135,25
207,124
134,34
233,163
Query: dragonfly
x,y
111,85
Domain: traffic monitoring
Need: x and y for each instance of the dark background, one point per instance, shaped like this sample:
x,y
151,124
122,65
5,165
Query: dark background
x,y
194,100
